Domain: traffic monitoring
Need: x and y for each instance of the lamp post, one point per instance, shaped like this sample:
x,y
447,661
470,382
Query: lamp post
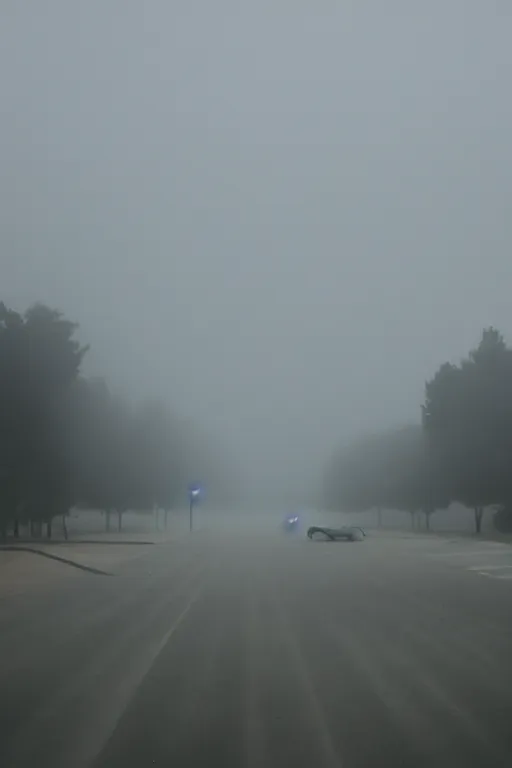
x,y
193,496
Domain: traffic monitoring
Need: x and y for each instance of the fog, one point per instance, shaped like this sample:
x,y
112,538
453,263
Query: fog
x,y
281,217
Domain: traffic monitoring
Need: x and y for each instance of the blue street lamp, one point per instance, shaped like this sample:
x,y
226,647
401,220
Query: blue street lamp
x,y
194,492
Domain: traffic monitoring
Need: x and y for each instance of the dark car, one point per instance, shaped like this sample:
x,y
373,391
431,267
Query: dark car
x,y
345,533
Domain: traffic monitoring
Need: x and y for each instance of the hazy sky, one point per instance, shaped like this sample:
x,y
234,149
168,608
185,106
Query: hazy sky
x,y
282,215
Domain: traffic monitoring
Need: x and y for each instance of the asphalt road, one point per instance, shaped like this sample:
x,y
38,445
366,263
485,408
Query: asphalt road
x,y
262,651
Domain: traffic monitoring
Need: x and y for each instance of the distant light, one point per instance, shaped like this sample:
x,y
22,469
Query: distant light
x,y
194,491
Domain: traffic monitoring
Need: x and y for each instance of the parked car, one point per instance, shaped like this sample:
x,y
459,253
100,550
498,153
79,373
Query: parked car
x,y
345,533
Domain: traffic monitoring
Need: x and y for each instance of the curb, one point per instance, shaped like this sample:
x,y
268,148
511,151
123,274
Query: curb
x,y
18,543
101,541
64,560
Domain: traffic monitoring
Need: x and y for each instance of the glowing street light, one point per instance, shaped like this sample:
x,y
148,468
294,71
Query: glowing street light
x,y
194,492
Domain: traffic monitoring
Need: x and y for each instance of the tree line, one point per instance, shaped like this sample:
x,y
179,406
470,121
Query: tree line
x,y
459,451
68,441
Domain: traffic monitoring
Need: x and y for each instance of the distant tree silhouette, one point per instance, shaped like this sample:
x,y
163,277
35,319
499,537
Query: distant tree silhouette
x,y
389,470
461,452
66,440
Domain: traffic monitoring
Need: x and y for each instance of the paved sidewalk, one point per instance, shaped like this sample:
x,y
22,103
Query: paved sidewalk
x,y
44,565
22,572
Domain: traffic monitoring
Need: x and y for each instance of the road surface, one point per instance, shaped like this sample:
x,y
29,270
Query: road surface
x,y
263,651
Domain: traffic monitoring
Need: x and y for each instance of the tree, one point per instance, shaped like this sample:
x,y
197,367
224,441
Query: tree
x,y
389,470
66,440
102,449
161,457
126,457
467,418
39,361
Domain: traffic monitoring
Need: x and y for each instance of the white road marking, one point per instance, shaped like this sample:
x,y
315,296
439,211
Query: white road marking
x,y
491,571
501,550
503,577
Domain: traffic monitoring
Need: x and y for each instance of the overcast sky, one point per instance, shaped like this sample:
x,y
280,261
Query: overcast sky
x,y
281,216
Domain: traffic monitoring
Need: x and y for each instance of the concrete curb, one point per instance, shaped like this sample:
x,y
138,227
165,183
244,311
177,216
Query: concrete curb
x,y
66,561
17,543
101,541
